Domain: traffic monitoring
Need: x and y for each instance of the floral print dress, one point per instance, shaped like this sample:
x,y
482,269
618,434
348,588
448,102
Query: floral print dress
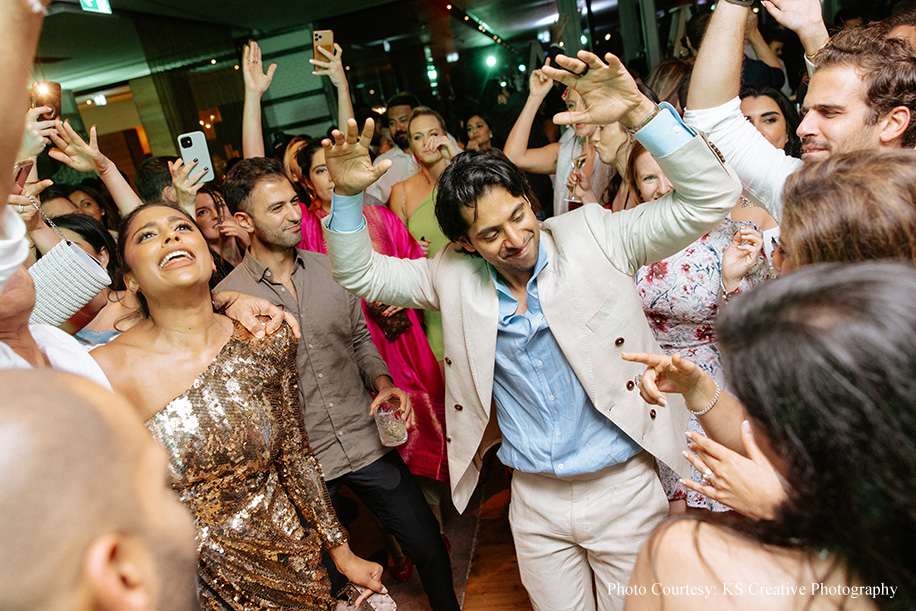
x,y
681,296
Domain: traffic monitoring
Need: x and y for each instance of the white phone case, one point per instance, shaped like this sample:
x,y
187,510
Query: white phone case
x,y
193,145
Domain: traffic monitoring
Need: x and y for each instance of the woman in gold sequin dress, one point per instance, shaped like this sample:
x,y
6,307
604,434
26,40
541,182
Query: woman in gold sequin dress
x,y
225,406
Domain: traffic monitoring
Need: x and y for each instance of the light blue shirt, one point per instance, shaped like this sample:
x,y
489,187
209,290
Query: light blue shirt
x,y
548,423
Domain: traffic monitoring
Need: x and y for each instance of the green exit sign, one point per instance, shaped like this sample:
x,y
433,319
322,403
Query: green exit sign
x,y
96,6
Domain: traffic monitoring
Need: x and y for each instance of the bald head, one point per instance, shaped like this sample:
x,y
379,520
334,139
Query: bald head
x,y
79,470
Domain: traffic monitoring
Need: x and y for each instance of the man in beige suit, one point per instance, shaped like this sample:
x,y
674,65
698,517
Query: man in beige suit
x,y
534,322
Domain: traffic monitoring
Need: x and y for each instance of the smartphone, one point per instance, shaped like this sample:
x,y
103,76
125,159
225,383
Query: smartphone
x,y
21,173
322,38
46,93
193,147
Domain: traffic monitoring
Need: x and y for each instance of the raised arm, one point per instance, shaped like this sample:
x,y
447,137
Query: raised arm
x,y
86,157
761,49
256,83
355,265
716,76
35,137
705,188
540,160
186,180
20,25
713,107
333,69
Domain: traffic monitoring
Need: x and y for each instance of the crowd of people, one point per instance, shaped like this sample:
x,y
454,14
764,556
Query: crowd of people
x,y
694,358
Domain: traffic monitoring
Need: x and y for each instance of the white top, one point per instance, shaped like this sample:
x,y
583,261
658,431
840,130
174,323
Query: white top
x,y
762,167
62,350
13,246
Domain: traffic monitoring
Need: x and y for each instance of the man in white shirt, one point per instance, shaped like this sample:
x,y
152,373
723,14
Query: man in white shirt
x,y
861,96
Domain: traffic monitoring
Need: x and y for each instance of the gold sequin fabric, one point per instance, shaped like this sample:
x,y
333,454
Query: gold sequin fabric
x,y
240,460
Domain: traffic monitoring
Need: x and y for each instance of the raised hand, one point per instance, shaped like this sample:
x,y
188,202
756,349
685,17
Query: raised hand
x,y
333,68
441,144
76,152
540,83
796,14
256,81
804,17
22,205
186,185
740,256
348,159
750,486
609,92
230,228
36,135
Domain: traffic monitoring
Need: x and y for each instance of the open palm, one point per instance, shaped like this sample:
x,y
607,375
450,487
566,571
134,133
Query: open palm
x,y
348,159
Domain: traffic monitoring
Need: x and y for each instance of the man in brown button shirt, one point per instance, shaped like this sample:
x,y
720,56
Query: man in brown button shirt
x,y
337,363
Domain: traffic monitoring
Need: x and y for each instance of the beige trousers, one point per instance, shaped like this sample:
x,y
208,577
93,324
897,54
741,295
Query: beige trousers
x,y
579,534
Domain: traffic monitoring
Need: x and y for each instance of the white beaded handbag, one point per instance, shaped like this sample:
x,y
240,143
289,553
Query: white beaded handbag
x,y
66,278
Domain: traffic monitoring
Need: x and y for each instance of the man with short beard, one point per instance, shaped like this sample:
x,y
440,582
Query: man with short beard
x,y
403,164
862,95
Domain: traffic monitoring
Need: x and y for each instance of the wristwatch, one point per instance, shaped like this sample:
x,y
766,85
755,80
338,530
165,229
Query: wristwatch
x,y
741,2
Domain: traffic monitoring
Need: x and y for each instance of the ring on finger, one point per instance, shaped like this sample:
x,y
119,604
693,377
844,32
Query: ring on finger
x,y
707,474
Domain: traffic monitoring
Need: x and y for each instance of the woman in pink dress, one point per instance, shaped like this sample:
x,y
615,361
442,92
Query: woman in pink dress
x,y
410,359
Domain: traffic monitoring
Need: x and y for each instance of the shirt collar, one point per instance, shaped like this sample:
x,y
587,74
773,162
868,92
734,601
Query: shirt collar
x,y
261,271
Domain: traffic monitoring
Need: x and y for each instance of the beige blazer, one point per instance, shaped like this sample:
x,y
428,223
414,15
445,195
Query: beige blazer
x,y
587,295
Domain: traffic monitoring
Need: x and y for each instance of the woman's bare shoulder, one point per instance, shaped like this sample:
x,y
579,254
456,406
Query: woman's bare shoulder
x,y
686,558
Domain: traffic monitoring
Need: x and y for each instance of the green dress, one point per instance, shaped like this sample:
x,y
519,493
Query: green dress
x,y
423,225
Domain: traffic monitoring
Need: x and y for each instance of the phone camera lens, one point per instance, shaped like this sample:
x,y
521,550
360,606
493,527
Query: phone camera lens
x,y
186,142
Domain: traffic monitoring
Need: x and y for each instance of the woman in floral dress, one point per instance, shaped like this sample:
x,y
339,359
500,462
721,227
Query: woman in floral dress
x,y
681,296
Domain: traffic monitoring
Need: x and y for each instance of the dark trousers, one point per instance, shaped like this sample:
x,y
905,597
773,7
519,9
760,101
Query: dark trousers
x,y
390,492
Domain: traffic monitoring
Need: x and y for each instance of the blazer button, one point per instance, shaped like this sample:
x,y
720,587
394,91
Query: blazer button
x,y
448,440
618,342
631,384
458,408
652,414
448,361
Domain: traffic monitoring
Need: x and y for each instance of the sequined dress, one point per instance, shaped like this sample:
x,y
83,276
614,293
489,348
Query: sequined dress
x,y
241,462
